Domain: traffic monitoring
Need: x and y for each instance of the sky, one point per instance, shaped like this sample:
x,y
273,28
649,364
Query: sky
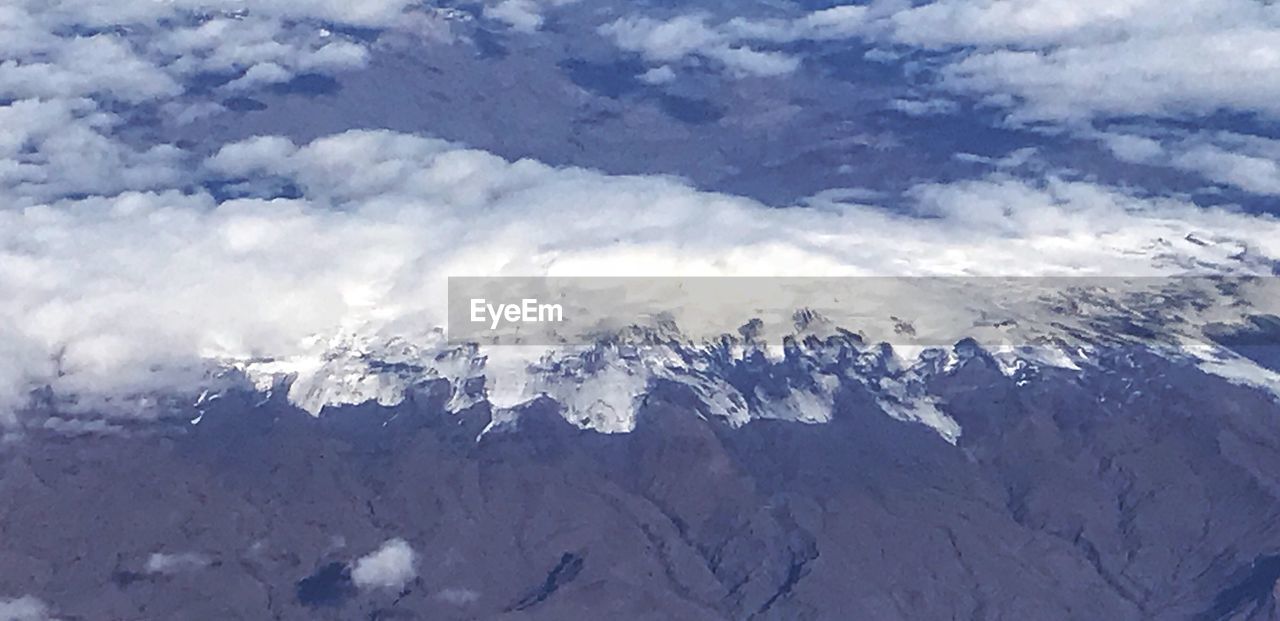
x,y
187,184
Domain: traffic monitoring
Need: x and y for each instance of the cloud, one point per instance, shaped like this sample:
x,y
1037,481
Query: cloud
x,y
1074,61
839,22
128,285
522,15
1247,163
260,74
689,36
228,45
1046,60
24,608
658,75
73,73
82,66
924,107
949,23
124,280
458,596
366,13
741,46
81,54
1258,175
60,147
149,292
391,566
159,563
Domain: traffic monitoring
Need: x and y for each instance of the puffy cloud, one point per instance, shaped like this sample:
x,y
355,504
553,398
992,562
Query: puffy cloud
x,y
924,107
522,15
1259,175
458,596
82,66
121,278
1074,61
1054,60
65,64
99,13
60,147
259,74
739,45
228,45
687,36
1248,163
838,22
658,75
946,23
159,563
1164,76
365,12
145,292
141,51
25,608
391,566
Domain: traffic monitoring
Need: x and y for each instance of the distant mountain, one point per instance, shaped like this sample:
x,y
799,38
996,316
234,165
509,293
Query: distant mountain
x,y
1139,487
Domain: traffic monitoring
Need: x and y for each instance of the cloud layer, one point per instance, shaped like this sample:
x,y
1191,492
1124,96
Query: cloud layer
x,y
130,270
739,45
1077,60
131,293
1047,60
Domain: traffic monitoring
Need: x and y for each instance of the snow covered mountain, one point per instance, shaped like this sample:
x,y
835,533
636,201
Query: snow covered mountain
x,y
795,375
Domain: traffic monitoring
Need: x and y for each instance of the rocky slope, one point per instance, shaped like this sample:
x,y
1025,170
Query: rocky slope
x,y
1142,488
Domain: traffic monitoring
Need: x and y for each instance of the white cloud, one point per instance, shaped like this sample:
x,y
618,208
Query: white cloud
x,y
145,51
658,75
1165,76
689,36
946,23
364,13
120,281
1258,175
260,74
458,596
160,563
1073,61
1248,163
59,147
522,15
391,566
924,107
1048,60
1131,148
109,297
839,22
739,45
82,66
228,45
664,41
745,61
25,608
